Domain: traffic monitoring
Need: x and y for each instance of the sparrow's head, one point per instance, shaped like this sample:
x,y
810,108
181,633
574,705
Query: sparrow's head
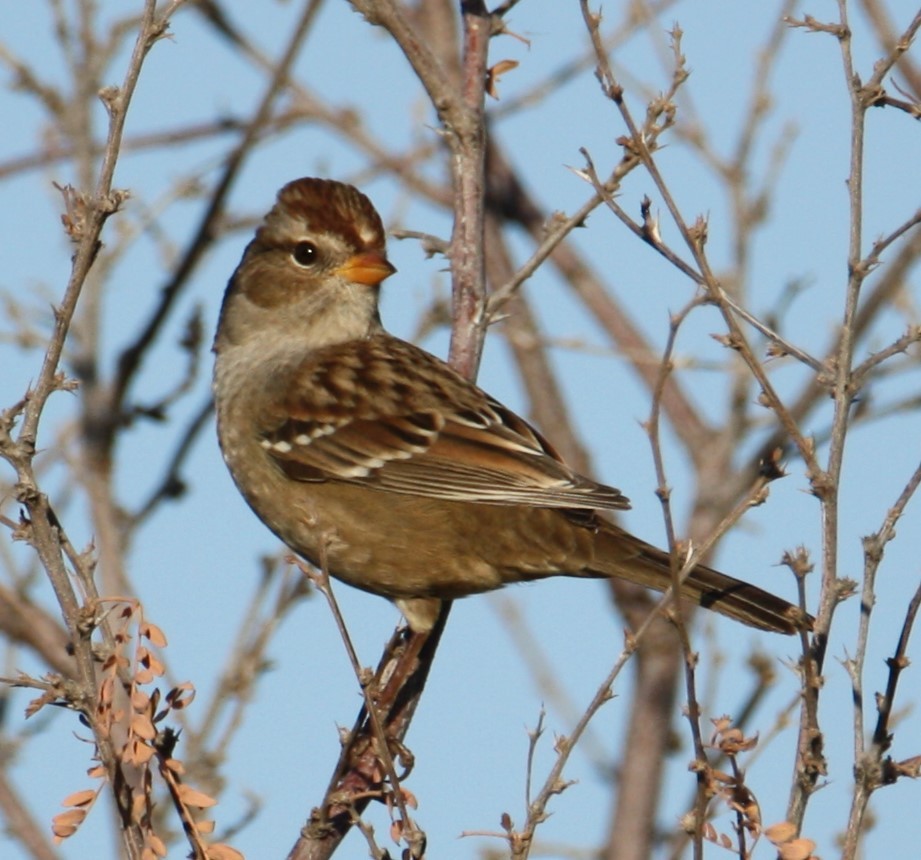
x,y
314,267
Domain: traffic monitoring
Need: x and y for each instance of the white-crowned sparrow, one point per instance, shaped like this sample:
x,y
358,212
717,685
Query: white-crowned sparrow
x,y
372,458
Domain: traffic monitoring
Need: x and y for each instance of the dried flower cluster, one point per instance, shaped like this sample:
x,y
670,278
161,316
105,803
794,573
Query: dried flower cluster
x,y
128,714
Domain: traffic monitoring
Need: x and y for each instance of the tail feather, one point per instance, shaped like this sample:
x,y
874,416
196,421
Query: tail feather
x,y
618,553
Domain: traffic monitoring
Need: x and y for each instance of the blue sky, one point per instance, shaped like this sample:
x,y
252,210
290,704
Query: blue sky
x,y
195,565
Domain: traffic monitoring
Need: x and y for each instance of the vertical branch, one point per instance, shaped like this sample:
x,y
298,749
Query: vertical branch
x,y
460,109
669,670
468,155
826,482
869,766
87,215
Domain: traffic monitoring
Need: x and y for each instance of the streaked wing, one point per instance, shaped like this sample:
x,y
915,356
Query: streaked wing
x,y
446,441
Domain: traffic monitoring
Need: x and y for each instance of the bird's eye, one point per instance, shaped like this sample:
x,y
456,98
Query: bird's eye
x,y
305,253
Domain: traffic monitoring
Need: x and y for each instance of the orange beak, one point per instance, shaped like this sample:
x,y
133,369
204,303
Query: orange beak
x,y
369,269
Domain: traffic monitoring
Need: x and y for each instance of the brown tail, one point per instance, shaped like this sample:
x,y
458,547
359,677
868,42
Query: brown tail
x,y
619,554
